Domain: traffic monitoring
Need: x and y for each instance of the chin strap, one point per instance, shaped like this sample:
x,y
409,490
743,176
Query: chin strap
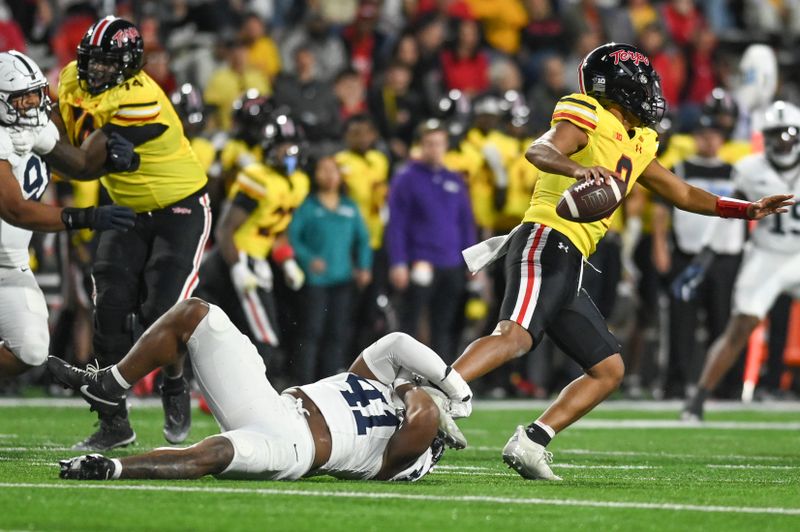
x,y
732,208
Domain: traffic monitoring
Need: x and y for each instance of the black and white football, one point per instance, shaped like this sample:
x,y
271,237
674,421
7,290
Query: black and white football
x,y
584,201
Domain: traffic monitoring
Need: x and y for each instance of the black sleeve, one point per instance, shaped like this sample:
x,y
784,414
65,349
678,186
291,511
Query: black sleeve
x,y
243,201
136,134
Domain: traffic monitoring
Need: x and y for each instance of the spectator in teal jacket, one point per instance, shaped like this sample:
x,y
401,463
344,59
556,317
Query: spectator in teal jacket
x,y
331,244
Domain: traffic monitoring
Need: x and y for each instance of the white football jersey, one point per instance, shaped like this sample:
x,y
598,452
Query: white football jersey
x,y
33,176
362,419
755,178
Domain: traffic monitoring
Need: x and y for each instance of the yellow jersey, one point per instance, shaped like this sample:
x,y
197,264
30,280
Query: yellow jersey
x,y
522,177
482,180
205,152
169,170
277,197
367,179
610,146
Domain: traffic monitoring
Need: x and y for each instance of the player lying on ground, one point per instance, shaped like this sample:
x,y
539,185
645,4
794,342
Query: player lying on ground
x,y
771,261
372,422
603,132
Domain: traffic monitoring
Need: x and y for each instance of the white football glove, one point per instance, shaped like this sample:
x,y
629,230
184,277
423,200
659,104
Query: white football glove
x,y
23,139
495,161
295,278
244,280
46,139
245,159
263,271
448,428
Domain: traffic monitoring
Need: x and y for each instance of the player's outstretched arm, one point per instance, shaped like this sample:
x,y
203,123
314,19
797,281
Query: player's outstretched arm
x,y
35,216
416,432
398,355
693,199
550,153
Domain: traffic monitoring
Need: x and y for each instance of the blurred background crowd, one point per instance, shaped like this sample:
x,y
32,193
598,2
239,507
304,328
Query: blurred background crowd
x,y
360,76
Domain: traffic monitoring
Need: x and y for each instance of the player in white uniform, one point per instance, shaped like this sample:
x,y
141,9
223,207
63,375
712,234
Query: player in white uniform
x,y
372,422
771,263
24,127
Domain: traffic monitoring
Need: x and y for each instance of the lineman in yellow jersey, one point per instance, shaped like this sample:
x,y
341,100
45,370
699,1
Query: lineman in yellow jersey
x,y
107,103
236,274
601,132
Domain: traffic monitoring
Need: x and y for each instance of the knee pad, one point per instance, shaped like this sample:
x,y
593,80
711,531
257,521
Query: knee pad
x,y
33,349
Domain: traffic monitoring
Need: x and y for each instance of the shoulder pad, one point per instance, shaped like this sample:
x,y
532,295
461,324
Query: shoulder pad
x,y
6,147
579,109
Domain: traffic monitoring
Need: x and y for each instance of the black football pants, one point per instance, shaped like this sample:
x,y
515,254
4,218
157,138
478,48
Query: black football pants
x,y
143,272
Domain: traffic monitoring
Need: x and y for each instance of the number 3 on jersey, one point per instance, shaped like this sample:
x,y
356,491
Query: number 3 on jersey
x,y
35,179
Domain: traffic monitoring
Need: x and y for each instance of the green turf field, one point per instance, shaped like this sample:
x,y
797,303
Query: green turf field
x,y
622,469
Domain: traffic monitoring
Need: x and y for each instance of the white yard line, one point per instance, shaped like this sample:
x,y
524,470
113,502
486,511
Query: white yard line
x,y
750,466
677,424
413,497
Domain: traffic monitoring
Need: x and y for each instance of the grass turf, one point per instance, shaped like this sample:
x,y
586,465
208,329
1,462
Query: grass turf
x,y
658,478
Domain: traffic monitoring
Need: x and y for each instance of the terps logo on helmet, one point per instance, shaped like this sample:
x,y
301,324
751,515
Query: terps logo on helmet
x,y
626,55
125,34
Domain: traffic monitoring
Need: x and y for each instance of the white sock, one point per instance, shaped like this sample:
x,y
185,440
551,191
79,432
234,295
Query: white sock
x,y
547,428
117,467
118,377
455,386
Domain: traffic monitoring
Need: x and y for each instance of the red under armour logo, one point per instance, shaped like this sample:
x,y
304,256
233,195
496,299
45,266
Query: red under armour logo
x,y
619,135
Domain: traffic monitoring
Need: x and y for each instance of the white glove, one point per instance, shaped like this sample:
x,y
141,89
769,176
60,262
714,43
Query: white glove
x,y
495,161
295,278
245,159
447,426
46,139
244,280
23,139
263,272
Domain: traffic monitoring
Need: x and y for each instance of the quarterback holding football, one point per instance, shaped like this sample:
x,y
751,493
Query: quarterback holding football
x,y
603,137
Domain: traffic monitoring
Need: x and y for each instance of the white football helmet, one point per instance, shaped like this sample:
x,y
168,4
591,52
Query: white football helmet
x,y
19,75
781,129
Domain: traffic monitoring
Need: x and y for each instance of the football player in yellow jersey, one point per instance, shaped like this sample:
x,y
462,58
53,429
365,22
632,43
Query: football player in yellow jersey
x,y
188,103
236,274
106,100
250,114
601,132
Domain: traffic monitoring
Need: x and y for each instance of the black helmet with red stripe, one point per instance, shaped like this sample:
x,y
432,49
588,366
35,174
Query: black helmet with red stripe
x,y
622,74
111,52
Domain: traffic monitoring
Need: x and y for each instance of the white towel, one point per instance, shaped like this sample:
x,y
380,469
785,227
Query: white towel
x,y
484,253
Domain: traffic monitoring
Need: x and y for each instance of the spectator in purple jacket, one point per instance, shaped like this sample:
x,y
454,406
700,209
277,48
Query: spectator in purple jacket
x,y
430,222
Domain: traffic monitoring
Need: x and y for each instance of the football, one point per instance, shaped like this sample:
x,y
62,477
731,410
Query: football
x,y
585,201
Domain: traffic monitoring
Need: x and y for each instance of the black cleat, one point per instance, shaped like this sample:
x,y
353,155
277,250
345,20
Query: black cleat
x,y
87,384
114,431
177,411
87,467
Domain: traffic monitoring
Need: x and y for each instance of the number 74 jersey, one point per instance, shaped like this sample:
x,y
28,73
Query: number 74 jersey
x,y
33,176
610,146
755,178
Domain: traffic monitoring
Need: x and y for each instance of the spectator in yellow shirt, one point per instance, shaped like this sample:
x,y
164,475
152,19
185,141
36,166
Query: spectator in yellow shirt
x,y
261,50
231,80
502,21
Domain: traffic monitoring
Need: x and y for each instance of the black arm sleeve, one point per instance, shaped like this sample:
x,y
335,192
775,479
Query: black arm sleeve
x,y
245,202
136,134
